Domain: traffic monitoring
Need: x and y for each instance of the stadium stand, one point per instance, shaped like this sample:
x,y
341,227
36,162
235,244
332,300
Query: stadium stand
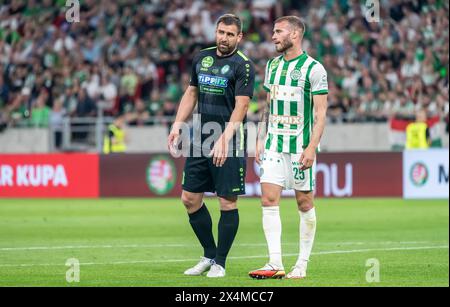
x,y
133,57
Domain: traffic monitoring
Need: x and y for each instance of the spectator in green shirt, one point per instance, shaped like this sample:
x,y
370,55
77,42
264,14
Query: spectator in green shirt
x,y
40,113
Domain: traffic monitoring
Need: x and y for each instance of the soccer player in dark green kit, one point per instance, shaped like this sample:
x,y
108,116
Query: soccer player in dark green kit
x,y
222,81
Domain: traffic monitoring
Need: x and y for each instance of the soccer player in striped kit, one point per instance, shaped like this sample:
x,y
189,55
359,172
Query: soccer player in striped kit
x,y
295,116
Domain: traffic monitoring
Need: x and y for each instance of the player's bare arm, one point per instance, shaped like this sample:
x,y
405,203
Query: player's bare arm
x,y
187,105
220,149
262,131
320,110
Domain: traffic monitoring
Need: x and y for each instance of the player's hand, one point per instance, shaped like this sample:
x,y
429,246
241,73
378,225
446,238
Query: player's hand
x,y
219,152
259,151
172,142
307,158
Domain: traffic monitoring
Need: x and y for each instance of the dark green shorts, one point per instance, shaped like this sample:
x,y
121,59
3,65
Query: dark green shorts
x,y
200,175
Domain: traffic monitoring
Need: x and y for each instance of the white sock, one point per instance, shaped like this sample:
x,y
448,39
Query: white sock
x,y
272,231
307,233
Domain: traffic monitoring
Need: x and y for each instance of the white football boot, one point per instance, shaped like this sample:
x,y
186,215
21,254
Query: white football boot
x,y
298,272
216,271
201,267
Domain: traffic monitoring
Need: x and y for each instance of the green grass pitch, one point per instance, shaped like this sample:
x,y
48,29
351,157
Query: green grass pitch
x,y
149,242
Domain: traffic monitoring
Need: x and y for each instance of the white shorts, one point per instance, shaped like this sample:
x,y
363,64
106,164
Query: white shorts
x,y
283,169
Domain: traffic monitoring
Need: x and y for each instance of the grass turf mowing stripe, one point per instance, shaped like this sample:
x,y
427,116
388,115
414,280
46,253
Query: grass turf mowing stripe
x,y
345,224
236,257
37,248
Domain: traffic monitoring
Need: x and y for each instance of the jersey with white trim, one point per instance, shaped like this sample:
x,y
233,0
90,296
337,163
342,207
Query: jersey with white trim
x,y
291,85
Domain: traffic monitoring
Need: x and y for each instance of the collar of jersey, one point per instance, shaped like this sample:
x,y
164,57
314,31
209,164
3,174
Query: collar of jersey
x,y
304,54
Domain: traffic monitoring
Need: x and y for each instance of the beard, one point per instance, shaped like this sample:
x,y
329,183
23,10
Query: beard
x,y
284,45
226,49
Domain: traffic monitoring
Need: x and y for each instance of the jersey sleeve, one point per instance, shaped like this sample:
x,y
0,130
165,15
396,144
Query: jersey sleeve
x,y
245,79
266,84
194,77
319,81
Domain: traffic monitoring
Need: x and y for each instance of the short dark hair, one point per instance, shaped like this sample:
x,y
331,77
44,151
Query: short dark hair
x,y
230,19
294,21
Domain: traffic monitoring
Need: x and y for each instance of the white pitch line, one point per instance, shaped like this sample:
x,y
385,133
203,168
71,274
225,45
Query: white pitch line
x,y
235,257
37,248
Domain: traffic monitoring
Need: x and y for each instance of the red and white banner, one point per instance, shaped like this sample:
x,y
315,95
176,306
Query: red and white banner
x,y
375,174
52,176
398,132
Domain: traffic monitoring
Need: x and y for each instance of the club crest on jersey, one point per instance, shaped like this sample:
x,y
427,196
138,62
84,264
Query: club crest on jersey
x,y
274,64
296,74
207,61
225,69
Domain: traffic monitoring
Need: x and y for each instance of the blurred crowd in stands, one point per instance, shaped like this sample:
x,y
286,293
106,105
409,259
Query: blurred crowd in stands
x,y
133,58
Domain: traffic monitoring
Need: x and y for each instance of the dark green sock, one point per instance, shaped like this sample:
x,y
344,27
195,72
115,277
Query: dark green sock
x,y
201,223
228,227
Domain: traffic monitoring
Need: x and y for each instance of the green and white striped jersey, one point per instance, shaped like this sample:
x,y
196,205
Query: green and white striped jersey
x,y
291,85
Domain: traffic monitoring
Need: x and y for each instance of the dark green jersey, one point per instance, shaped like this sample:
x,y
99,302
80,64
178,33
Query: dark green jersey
x,y
219,80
